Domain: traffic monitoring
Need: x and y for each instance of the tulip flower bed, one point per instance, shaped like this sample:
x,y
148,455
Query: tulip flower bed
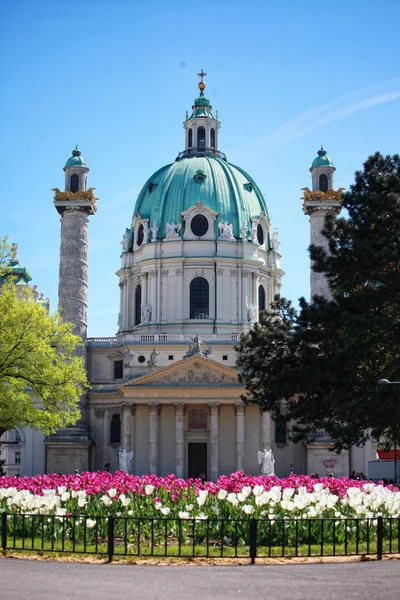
x,y
171,516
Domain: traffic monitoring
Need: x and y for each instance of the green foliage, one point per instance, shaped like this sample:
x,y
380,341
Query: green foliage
x,y
5,255
324,362
41,374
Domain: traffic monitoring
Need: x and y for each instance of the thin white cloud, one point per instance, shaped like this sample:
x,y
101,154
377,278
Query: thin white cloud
x,y
339,108
121,198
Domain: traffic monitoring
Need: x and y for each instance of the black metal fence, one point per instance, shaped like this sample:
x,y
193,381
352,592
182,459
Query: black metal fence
x,y
115,536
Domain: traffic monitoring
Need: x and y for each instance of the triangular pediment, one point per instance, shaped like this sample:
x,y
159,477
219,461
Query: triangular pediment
x,y
196,370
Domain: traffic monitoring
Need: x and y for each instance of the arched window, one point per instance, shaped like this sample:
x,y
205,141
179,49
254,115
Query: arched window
x,y
212,138
190,138
74,183
201,138
138,305
140,235
260,235
261,298
199,298
323,183
115,429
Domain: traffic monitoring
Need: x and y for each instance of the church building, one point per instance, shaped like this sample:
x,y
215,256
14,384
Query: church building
x,y
200,260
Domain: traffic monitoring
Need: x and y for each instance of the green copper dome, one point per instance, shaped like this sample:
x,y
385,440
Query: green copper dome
x,y
76,160
223,187
322,160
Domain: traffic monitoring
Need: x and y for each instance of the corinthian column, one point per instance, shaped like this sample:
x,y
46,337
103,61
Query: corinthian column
x,y
179,439
266,431
154,412
214,413
239,408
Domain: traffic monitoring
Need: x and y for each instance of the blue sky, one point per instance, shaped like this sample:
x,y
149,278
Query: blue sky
x,y
117,77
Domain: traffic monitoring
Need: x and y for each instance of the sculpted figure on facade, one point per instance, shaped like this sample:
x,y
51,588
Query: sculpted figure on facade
x,y
154,231
195,348
146,232
226,231
267,462
129,355
172,230
119,322
251,312
153,358
146,313
274,240
126,238
254,237
243,231
124,460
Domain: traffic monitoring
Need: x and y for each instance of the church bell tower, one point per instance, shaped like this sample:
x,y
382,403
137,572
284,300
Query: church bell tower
x,y
317,203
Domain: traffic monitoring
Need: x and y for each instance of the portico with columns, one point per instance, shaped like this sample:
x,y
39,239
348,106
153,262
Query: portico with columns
x,y
186,418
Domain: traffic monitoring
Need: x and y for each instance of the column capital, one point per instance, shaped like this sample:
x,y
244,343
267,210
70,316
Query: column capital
x,y
239,409
99,412
214,408
129,408
154,408
180,408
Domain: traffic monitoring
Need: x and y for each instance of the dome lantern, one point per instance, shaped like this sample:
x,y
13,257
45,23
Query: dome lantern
x,y
201,137
322,172
76,170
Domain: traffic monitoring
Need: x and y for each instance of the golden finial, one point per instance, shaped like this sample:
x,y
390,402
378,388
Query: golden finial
x,y
201,84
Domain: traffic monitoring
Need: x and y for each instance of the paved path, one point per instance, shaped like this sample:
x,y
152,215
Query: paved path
x,y
42,580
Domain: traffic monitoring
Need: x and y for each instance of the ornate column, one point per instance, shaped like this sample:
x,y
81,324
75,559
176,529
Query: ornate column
x,y
239,409
179,439
154,412
214,413
124,303
266,439
246,293
128,430
68,449
152,282
99,438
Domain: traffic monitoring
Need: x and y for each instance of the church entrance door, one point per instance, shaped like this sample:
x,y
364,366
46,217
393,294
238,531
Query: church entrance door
x,y
197,460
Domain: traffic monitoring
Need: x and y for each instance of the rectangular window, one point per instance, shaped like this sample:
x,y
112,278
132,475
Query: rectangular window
x,y
224,357
18,458
170,357
118,369
280,431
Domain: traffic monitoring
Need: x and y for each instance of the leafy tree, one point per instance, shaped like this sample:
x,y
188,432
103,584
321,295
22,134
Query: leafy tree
x,y
41,374
320,365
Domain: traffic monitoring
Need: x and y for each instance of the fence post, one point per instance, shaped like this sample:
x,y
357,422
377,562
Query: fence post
x,y
110,537
379,538
253,540
4,531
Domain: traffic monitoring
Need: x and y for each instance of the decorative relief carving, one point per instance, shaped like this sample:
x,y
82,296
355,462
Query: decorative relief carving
x,y
318,195
79,195
197,418
154,408
180,408
197,374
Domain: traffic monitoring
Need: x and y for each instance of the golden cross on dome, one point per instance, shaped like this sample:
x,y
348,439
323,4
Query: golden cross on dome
x,y
201,74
